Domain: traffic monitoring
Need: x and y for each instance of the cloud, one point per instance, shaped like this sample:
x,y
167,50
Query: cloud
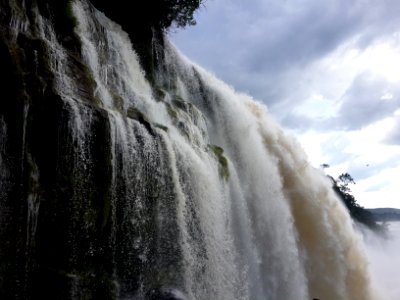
x,y
369,99
309,31
298,121
393,135
261,47
361,170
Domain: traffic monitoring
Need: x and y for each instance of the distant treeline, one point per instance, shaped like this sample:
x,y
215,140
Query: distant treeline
x,y
385,214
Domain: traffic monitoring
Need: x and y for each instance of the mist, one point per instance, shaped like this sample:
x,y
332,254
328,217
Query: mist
x,y
384,260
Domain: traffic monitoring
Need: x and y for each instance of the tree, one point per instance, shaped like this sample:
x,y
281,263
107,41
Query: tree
x,y
344,180
178,12
156,14
357,212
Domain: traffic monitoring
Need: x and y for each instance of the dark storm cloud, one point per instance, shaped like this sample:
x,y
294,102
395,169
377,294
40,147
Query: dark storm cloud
x,y
261,47
308,33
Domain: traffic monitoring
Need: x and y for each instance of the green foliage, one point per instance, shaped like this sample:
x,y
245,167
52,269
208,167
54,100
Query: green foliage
x,y
69,14
177,12
344,180
223,162
181,12
357,212
160,14
162,127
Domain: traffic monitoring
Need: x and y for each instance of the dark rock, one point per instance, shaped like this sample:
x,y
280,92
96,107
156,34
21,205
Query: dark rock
x,y
166,294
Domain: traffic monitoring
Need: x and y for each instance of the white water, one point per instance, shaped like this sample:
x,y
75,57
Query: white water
x,y
384,257
273,229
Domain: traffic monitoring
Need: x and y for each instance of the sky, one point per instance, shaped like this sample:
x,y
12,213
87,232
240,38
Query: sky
x,y
328,71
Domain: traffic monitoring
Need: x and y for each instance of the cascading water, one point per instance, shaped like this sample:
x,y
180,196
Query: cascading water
x,y
138,186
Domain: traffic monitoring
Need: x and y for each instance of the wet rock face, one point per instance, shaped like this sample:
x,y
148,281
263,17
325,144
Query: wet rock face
x,y
41,256
68,186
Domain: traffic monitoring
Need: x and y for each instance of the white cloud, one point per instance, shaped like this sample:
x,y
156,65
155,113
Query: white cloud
x,y
380,190
393,135
374,166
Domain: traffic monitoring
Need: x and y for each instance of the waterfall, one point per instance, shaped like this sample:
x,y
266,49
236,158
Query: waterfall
x,y
176,184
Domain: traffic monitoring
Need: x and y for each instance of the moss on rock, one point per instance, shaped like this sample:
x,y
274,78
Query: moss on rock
x,y
162,127
222,160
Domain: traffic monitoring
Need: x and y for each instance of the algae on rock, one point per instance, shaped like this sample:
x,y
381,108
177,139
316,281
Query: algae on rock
x,y
222,160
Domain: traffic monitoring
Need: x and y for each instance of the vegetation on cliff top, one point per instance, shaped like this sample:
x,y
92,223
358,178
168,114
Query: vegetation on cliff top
x,y
157,14
357,212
